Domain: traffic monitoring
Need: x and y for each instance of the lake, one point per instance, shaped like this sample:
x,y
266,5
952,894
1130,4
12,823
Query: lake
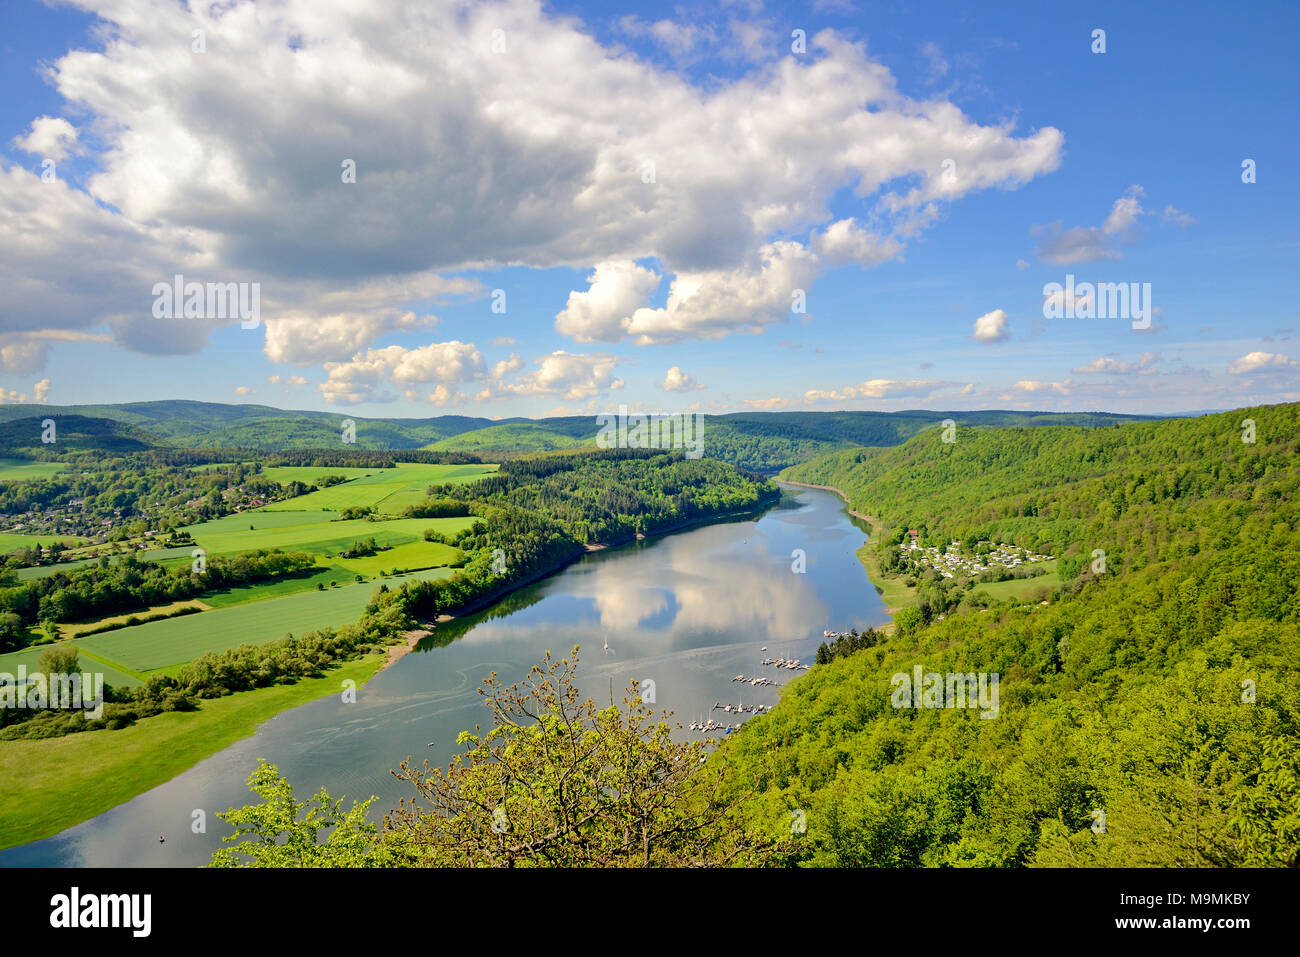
x,y
688,611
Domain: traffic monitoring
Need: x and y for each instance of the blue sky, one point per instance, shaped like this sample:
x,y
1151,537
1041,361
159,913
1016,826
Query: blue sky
x,y
920,172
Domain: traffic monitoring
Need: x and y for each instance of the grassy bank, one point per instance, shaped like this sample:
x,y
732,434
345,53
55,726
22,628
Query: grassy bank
x,y
54,783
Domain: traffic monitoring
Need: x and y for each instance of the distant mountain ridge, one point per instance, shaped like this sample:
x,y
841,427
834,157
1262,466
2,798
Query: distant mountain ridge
x,y
762,441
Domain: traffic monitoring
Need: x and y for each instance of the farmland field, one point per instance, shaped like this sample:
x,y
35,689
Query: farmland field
x,y
291,585
9,541
386,490
72,630
41,571
159,644
412,555
311,474
310,531
30,656
22,470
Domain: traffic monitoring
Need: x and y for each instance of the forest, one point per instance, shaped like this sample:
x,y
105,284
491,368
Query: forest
x,y
1151,710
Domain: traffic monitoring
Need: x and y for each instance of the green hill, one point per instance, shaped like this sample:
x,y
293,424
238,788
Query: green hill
x,y
513,437
1148,715
761,441
72,433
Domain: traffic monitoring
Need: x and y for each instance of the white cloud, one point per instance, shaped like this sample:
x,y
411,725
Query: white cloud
x,y
1262,362
245,390
364,377
877,389
41,391
1178,217
565,374
615,290
464,160
50,137
1034,386
936,66
714,303
1145,365
1093,243
846,242
1124,214
678,381
992,327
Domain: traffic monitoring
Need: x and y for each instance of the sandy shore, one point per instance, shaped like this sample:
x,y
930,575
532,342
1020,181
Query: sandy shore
x,y
409,640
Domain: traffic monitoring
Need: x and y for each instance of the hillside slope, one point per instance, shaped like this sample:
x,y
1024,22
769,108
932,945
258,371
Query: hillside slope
x,y
761,441
1148,715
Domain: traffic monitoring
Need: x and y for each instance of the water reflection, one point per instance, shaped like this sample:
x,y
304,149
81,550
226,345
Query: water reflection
x,y
689,610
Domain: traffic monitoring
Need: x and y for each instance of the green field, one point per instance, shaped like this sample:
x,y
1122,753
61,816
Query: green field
x,y
73,629
388,491
10,541
412,555
283,586
54,783
310,474
307,531
160,644
30,656
22,470
1021,589
41,571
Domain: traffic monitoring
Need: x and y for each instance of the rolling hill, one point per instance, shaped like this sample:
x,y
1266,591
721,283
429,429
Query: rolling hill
x,y
761,441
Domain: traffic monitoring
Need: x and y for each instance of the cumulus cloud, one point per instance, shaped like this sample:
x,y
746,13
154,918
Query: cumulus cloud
x,y
443,365
1145,365
992,327
614,291
50,137
565,374
708,304
678,381
465,160
41,391
245,390
1262,362
846,242
765,405
1034,386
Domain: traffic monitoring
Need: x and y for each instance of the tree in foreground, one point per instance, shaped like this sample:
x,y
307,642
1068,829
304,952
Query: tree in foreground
x,y
559,782
556,782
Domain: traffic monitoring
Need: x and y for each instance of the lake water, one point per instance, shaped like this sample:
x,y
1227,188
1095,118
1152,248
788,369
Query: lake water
x,y
688,610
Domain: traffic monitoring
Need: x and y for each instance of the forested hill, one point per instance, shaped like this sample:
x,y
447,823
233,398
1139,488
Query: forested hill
x,y
1149,712
761,441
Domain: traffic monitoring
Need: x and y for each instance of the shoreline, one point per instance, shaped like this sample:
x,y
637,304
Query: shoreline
x,y
863,554
299,693
479,604
870,520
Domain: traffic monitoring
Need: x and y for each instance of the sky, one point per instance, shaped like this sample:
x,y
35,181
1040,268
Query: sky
x,y
525,209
